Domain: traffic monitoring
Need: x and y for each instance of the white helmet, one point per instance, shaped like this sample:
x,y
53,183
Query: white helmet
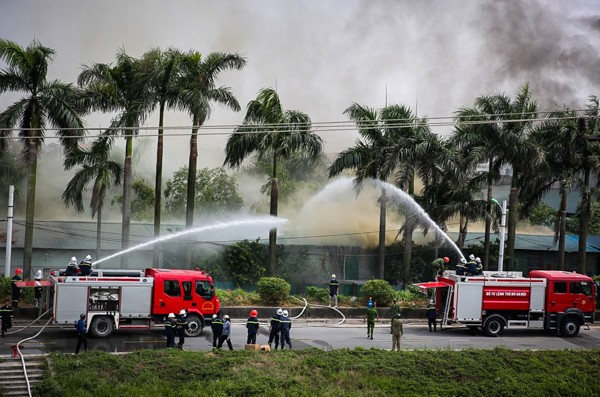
x,y
182,312
88,257
333,276
478,260
214,316
73,259
38,275
472,257
226,317
463,260
171,315
285,313
431,301
279,311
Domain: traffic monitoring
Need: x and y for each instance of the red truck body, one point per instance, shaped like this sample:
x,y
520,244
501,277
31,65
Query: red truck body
x,y
120,299
550,300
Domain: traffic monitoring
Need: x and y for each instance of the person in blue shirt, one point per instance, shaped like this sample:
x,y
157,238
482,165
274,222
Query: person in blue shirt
x,y
81,334
226,336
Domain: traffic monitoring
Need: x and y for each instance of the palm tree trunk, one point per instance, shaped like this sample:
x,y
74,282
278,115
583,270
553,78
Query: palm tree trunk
x,y
462,231
30,207
513,215
158,184
191,187
125,227
584,220
273,212
562,230
99,232
488,220
382,227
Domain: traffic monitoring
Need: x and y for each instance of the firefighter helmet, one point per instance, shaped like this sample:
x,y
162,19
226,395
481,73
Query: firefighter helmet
x,y
478,260
38,275
73,259
182,312
280,311
18,271
472,257
333,276
463,260
226,317
88,257
446,259
253,313
214,316
171,315
285,313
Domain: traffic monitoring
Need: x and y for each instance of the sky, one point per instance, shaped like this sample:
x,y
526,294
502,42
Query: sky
x,y
324,55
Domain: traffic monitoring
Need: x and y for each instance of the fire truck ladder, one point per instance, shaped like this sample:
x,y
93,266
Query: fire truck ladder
x,y
447,308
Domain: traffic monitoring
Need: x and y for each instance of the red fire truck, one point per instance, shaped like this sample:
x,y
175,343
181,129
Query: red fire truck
x,y
547,300
125,299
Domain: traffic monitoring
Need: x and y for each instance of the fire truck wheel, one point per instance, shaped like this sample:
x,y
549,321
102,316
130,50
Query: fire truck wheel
x,y
195,325
102,327
493,326
569,327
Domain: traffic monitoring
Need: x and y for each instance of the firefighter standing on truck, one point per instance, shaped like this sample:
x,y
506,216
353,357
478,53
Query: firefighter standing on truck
x,y
170,328
182,326
71,267
85,267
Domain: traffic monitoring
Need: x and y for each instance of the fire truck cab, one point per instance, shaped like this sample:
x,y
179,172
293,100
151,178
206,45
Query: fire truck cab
x,y
129,299
547,299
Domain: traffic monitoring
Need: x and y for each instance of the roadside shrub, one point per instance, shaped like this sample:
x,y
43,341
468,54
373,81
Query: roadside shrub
x,y
273,289
380,290
317,294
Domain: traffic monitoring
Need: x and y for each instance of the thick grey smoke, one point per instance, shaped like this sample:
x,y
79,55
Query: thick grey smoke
x,y
322,56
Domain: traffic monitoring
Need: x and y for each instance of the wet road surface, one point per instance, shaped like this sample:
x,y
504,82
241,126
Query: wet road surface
x,y
316,334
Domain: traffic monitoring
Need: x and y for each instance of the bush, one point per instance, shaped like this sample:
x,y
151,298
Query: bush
x,y
317,294
237,297
273,289
380,290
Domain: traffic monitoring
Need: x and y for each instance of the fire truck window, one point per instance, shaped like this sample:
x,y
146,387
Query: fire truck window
x,y
203,289
581,287
172,288
187,290
560,288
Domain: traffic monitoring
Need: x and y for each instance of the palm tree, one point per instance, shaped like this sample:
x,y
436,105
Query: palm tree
x,y
197,91
478,138
268,129
46,102
98,168
161,70
119,89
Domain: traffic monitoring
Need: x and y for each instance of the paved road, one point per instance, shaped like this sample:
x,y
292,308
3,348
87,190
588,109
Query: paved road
x,y
314,334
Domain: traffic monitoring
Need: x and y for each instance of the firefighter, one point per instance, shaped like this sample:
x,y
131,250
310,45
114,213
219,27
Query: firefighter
x,y
170,328
6,314
81,333
439,265
394,310
371,317
37,290
334,287
71,267
478,266
85,266
182,326
431,316
274,328
397,332
226,336
16,291
217,328
285,326
461,267
471,266
252,325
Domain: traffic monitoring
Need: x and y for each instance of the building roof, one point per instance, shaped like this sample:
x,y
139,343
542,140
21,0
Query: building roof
x,y
536,242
